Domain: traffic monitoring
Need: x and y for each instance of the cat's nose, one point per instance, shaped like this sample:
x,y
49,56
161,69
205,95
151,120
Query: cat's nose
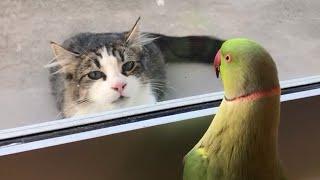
x,y
119,86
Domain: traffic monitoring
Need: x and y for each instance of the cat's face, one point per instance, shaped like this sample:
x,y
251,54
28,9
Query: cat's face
x,y
109,75
104,75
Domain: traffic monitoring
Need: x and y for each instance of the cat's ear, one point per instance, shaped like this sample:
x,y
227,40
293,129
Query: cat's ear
x,y
63,57
61,53
136,39
132,37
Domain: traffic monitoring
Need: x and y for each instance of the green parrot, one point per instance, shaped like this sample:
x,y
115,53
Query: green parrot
x,y
241,142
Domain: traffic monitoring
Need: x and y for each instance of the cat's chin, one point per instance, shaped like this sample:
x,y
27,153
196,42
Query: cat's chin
x,y
121,102
121,99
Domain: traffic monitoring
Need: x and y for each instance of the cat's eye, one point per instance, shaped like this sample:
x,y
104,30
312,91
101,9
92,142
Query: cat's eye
x,y
129,66
95,75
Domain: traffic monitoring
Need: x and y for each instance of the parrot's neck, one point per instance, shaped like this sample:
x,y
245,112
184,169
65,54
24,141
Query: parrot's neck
x,y
256,95
243,135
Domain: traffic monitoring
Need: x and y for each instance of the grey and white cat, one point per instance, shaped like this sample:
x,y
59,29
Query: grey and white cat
x,y
94,72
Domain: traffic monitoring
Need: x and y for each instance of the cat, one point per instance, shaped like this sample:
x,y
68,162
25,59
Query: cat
x,y
95,72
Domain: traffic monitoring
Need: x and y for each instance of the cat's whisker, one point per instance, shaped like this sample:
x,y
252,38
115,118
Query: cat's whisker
x,y
164,86
155,80
53,59
155,88
83,101
172,88
160,85
159,82
58,71
55,64
78,102
159,88
144,39
52,62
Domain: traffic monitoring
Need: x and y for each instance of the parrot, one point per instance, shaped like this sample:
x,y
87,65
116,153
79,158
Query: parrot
x,y
242,140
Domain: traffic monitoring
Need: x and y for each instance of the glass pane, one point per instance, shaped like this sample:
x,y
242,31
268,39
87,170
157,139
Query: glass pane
x,y
289,30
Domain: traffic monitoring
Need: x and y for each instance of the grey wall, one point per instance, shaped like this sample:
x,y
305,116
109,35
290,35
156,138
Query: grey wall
x,y
156,153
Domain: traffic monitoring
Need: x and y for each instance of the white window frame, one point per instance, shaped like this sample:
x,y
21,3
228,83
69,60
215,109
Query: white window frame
x,y
69,130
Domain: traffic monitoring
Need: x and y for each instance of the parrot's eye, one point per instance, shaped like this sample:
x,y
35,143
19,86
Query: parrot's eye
x,y
228,58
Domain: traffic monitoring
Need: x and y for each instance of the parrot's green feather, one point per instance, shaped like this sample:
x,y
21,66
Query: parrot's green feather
x,y
196,165
241,142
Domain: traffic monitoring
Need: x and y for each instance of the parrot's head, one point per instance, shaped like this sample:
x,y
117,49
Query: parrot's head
x,y
245,67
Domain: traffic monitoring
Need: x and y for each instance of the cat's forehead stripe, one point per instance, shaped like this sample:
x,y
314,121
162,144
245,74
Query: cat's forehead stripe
x,y
114,52
118,54
97,63
97,54
121,56
107,59
109,51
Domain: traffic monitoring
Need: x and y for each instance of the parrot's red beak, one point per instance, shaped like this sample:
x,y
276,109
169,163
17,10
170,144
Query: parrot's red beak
x,y
217,62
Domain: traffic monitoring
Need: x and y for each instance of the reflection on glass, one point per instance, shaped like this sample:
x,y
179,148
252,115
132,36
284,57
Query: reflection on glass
x,y
171,62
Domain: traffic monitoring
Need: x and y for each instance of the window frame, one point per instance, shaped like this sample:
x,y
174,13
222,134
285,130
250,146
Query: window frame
x,y
69,130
